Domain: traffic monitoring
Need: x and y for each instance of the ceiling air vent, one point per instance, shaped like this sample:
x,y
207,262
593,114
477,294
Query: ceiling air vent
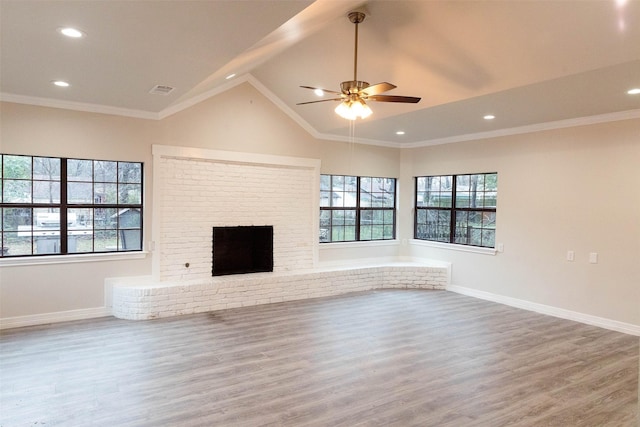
x,y
161,90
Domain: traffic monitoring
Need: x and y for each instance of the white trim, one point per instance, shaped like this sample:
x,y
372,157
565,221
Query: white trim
x,y
453,247
562,313
358,244
71,259
232,156
56,317
188,103
78,106
538,127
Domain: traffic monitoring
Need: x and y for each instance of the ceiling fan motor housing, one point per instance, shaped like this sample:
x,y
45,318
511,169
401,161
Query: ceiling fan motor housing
x,y
353,86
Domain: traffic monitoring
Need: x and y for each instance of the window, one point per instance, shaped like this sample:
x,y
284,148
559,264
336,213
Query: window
x,y
64,206
356,208
458,209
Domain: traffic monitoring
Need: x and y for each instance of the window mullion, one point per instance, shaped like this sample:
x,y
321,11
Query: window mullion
x,y
64,228
452,223
358,216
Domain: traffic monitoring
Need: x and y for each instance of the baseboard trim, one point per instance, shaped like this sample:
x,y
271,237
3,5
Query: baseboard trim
x,y
57,317
588,319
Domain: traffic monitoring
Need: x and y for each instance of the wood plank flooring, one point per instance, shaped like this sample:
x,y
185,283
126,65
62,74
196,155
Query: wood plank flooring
x,y
380,358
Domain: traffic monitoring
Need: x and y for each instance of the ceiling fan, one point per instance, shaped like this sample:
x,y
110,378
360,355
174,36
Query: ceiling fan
x,y
354,93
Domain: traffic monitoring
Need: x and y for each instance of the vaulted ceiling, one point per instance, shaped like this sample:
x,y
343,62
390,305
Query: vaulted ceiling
x,y
531,64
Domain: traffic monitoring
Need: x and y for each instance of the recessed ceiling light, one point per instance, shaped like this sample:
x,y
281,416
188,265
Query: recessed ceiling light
x,y
400,132
489,117
318,92
230,76
71,32
634,91
60,83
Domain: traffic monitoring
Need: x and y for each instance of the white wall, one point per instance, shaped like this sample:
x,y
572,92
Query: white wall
x,y
240,120
567,189
574,188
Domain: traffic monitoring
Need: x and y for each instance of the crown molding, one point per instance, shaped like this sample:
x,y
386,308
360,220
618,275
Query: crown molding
x,y
249,78
77,106
538,127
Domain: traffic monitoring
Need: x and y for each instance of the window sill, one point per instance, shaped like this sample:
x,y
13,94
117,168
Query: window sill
x,y
454,247
72,259
359,244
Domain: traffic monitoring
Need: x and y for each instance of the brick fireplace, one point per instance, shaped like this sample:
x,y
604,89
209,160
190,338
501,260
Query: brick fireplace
x,y
198,189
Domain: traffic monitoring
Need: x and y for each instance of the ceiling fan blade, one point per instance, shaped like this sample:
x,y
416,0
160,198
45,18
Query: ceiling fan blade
x,y
324,90
322,100
377,88
393,98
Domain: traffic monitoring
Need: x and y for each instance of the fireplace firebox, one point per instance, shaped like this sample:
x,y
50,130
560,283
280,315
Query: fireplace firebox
x,y
242,249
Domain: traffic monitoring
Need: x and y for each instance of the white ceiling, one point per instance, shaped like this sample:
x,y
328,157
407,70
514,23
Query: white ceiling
x,y
533,64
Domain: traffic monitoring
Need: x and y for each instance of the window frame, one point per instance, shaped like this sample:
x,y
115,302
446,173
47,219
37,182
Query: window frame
x,y
62,205
358,210
452,211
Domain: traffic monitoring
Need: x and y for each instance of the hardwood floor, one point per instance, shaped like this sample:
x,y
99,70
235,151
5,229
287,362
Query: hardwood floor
x,y
383,358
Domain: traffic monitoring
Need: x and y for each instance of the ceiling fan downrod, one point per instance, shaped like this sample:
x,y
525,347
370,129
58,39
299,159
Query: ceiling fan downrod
x,y
356,18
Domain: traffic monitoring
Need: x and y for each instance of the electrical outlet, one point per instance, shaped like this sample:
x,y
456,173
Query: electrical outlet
x,y
571,256
500,247
593,258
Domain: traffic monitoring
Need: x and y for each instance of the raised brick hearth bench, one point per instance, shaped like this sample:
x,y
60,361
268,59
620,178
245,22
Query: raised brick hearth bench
x,y
140,298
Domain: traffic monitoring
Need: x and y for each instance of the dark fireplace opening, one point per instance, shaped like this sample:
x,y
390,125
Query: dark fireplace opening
x,y
242,249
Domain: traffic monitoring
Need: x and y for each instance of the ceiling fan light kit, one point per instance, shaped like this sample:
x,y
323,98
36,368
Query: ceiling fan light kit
x,y
354,93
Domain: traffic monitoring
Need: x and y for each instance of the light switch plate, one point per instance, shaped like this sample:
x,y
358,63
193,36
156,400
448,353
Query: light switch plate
x,y
593,258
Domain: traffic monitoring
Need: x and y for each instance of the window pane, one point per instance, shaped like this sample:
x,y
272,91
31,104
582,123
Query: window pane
x,y
16,243
79,243
129,218
462,199
350,217
337,218
80,233
350,199
351,184
365,232
79,192
129,239
475,237
488,238
46,168
444,199
325,182
325,198
79,170
17,231
365,185
105,193
130,194
462,183
388,232
105,241
130,172
489,220
46,231
46,192
16,167
105,171
14,219
106,218
490,199
491,182
388,217
14,191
